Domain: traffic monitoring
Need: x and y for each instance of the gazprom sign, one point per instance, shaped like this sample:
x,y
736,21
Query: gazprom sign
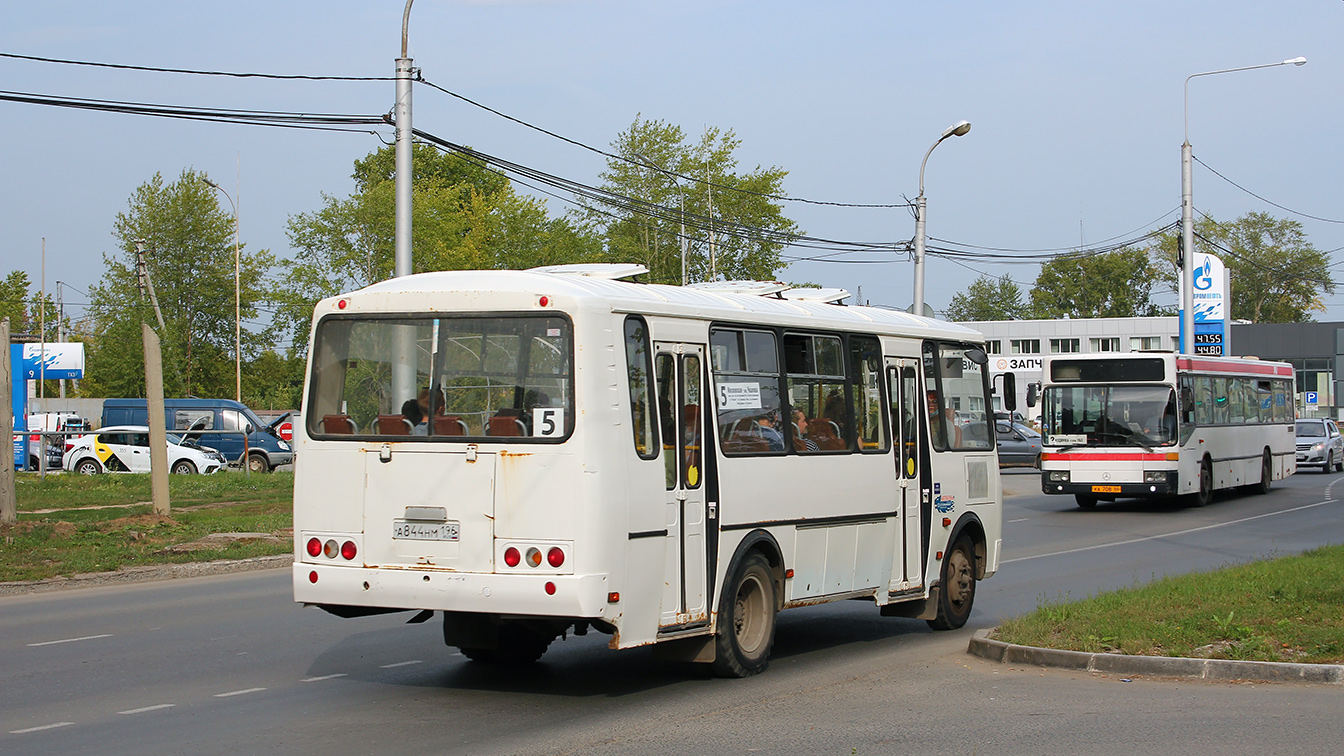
x,y
1209,294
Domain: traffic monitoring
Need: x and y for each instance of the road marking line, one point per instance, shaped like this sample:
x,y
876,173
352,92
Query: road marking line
x,y
43,727
1167,535
238,692
144,709
71,640
324,677
1020,519
401,664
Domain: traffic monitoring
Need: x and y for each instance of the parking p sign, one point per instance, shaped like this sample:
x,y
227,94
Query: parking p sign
x,y
1312,397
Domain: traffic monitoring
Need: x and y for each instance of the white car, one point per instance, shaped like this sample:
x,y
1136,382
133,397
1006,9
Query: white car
x,y
125,448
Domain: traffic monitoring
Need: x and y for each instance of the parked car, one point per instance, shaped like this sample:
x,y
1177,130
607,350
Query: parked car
x,y
1319,444
217,423
54,430
125,448
1018,444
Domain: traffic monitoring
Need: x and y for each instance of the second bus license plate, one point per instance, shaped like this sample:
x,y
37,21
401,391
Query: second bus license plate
x,y
1105,489
425,531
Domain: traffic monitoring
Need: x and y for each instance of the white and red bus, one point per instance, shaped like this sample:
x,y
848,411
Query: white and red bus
x,y
532,452
1162,425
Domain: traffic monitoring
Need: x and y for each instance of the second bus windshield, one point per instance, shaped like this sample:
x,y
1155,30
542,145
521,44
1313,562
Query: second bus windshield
x,y
1109,416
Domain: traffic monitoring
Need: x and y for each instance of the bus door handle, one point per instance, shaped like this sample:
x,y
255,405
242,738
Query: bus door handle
x,y
713,510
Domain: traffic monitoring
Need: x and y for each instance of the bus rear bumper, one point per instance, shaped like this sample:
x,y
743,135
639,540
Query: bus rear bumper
x,y
579,596
1169,487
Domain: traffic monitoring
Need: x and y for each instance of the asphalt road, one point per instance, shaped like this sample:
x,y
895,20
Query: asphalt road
x,y
230,665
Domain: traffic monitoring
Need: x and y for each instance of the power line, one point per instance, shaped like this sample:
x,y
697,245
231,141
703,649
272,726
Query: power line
x,y
1262,199
156,69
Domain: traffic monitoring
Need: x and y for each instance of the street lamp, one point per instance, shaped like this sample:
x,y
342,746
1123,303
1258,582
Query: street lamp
x,y
1188,212
237,297
960,128
681,207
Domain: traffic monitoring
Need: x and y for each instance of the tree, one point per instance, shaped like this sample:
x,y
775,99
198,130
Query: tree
x,y
1277,275
733,223
189,253
464,217
1115,284
988,299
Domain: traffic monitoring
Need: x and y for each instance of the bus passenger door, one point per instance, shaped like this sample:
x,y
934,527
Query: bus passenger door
x,y
907,569
679,373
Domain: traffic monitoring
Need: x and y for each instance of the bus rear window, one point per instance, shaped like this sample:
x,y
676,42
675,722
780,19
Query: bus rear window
x,y
452,378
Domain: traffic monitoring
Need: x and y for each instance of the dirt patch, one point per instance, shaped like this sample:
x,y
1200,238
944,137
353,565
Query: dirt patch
x,y
220,541
137,522
60,529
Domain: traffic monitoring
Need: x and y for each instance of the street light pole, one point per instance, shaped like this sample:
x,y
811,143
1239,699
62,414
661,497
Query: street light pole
x,y
1188,211
403,366
960,128
237,297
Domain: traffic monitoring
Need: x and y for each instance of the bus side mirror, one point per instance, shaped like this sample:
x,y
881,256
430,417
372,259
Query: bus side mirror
x,y
1187,404
1032,388
1009,391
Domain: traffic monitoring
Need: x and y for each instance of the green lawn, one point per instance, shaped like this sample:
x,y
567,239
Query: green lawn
x,y
70,524
1286,609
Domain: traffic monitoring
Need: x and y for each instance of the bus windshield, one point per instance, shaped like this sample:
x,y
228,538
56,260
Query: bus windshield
x,y
464,377
1109,416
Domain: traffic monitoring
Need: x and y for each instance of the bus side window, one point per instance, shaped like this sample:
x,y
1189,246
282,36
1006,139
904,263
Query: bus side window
x,y
639,370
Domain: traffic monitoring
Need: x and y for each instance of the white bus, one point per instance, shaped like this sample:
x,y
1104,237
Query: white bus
x,y
1162,425
530,452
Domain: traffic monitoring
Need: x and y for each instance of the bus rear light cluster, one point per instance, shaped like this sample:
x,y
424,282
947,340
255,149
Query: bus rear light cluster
x,y
535,556
332,549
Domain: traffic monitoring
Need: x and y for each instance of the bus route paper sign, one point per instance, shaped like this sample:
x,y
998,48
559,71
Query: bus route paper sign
x,y
734,396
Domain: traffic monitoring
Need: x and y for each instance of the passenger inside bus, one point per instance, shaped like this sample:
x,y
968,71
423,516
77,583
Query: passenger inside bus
x,y
801,441
939,422
766,430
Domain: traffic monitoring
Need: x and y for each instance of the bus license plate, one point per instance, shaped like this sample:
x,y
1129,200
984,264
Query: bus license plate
x,y
425,531
1105,489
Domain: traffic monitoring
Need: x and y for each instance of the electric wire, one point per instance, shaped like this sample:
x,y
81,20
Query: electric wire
x,y
1262,199
157,69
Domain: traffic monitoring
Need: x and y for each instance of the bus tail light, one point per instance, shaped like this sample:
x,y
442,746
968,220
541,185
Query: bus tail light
x,y
331,549
348,550
512,557
555,557
534,557
314,547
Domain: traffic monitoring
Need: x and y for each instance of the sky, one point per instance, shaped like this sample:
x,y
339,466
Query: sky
x,y
1076,112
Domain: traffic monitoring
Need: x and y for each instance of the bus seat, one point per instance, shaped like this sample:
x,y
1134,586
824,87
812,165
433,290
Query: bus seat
x,y
449,425
338,424
394,425
826,433
505,426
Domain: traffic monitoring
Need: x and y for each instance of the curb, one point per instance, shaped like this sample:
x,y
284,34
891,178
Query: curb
x,y
145,574
1156,666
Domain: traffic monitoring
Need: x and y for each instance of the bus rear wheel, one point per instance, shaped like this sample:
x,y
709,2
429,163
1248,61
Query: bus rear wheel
x,y
746,620
956,593
1086,502
518,644
1266,474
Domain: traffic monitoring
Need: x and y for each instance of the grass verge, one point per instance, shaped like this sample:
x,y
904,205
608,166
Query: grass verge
x,y
72,524
1285,609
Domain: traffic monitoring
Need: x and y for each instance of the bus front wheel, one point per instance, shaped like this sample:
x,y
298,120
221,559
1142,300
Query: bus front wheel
x,y
1086,502
1266,474
1204,495
746,620
957,591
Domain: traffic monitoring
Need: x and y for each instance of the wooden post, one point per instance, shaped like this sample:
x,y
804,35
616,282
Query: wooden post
x,y
158,434
8,505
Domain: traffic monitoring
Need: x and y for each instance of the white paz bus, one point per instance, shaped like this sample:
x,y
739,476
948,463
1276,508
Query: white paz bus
x,y
1163,425
533,452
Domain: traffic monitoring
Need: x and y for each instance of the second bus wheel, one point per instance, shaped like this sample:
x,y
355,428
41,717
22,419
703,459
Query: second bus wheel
x,y
746,621
956,593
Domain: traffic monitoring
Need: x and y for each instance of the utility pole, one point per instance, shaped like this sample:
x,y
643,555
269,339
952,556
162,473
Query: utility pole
x,y
403,366
60,325
8,505
145,282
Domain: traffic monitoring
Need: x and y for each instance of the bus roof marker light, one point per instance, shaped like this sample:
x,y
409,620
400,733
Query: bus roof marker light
x,y
545,301
342,304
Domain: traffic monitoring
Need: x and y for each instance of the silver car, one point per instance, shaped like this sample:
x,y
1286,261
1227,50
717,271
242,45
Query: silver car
x,y
1018,444
1319,444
